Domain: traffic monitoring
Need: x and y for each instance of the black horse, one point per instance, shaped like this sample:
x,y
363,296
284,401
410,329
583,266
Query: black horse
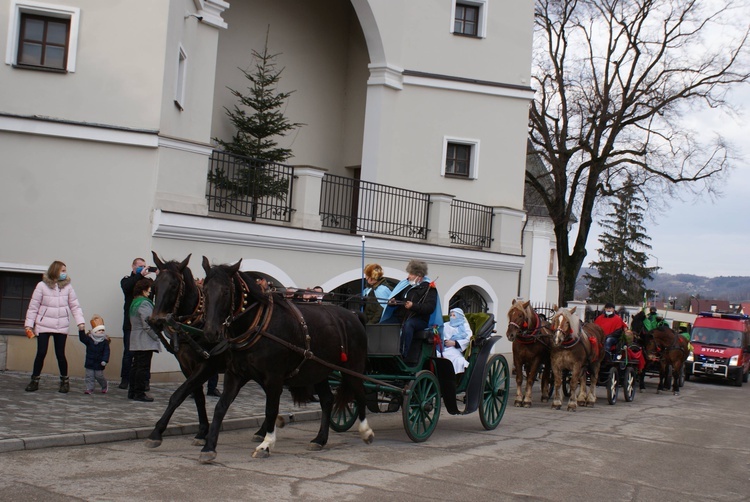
x,y
277,343
177,294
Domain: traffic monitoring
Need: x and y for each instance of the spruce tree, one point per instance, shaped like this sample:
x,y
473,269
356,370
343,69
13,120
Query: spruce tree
x,y
259,121
622,270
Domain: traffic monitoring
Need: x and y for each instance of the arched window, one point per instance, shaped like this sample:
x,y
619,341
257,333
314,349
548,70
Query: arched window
x,y
469,300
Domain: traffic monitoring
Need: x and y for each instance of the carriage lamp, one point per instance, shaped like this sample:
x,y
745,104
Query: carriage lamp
x,y
734,360
690,356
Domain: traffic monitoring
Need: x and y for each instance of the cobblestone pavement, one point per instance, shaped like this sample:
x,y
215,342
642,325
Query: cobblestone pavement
x,y
30,420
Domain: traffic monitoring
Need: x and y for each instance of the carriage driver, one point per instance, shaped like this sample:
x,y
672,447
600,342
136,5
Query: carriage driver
x,y
413,302
613,326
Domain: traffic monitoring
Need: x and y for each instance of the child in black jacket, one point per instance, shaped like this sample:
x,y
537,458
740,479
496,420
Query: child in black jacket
x,y
97,354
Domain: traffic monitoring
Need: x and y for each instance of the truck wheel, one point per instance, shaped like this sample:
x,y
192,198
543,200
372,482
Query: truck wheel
x,y
739,378
744,377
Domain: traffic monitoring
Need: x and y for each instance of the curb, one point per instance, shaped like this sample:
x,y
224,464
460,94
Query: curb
x,y
112,436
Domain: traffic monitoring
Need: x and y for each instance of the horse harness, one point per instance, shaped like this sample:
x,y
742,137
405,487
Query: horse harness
x,y
674,346
528,336
258,328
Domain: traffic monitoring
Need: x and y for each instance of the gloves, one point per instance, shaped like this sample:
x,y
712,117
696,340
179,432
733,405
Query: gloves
x,y
29,332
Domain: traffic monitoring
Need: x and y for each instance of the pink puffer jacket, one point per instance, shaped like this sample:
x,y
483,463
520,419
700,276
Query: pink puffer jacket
x,y
51,305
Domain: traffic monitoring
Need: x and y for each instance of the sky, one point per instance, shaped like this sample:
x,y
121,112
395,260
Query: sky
x,y
698,235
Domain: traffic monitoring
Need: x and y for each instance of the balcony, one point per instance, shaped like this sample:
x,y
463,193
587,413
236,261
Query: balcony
x,y
307,197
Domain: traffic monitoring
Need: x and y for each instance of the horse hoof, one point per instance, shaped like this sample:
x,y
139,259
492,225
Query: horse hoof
x,y
545,400
257,438
280,421
518,404
199,442
556,407
369,439
572,408
314,447
206,457
153,443
527,405
262,453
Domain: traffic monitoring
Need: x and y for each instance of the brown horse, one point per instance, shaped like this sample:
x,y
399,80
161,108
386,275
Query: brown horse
x,y
530,336
576,348
666,347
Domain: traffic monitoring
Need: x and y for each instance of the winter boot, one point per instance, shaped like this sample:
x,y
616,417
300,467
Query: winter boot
x,y
33,385
64,385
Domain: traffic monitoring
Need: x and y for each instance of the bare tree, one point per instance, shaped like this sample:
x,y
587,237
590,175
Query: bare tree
x,y
613,79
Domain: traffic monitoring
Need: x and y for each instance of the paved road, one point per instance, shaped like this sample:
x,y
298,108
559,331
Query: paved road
x,y
661,447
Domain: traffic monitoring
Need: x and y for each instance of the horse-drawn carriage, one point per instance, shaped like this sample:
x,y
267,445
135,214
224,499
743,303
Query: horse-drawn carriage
x,y
419,391
255,335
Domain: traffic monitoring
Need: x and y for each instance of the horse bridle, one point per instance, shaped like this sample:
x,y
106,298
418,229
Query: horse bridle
x,y
526,334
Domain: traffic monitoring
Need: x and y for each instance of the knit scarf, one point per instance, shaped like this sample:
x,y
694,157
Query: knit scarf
x,y
137,303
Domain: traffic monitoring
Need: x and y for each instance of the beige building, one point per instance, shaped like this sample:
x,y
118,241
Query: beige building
x,y
107,127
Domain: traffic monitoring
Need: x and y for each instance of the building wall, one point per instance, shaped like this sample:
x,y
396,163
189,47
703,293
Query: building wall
x,y
100,166
324,60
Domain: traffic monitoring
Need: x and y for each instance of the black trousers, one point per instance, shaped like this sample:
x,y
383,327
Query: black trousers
x,y
140,371
42,344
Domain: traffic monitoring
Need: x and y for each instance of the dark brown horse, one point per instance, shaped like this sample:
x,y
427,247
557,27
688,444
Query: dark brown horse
x,y
579,349
530,336
665,346
277,343
177,294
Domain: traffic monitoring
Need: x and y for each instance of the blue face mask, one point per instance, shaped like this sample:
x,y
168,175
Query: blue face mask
x,y
138,270
456,322
63,276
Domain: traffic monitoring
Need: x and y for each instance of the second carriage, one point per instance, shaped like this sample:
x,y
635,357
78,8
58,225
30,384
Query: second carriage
x,y
419,391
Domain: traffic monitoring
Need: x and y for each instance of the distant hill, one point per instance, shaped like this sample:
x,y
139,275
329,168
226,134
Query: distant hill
x,y
682,286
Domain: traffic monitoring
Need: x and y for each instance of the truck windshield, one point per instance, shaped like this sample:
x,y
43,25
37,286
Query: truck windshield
x,y
714,336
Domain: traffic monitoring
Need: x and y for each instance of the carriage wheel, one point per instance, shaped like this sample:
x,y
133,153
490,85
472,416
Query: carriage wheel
x,y
628,386
421,408
494,392
342,420
612,386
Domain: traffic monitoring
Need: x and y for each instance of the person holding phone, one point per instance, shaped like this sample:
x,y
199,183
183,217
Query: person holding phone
x,y
139,270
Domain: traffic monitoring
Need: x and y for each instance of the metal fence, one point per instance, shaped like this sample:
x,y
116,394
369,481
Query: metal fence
x,y
247,187
361,206
471,224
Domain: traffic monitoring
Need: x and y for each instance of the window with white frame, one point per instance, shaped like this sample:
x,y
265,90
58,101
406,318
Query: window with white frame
x,y
42,36
179,96
460,158
469,18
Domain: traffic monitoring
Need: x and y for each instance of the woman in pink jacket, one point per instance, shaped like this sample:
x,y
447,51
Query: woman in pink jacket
x,y
48,316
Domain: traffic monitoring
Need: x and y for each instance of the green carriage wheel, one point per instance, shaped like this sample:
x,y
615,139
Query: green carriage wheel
x,y
494,392
421,408
342,420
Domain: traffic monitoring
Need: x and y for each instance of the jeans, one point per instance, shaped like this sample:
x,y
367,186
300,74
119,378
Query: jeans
x,y
42,343
410,326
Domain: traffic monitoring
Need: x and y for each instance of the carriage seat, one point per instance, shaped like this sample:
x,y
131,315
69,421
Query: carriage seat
x,y
482,324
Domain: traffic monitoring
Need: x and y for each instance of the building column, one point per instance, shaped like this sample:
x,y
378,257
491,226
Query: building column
x,y
439,219
306,197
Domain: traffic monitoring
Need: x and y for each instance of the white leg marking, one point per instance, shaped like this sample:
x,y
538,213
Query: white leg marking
x,y
268,443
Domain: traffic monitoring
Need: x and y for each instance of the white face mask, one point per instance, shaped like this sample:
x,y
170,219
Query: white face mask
x,y
609,313
413,283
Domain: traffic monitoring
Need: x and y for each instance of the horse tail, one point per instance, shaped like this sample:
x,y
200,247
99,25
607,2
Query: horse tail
x,y
301,395
343,396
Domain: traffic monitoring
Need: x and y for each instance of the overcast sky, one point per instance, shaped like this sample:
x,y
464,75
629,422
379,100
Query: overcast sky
x,y
701,236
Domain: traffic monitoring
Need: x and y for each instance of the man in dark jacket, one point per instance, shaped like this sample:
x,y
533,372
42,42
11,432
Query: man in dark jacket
x,y
415,303
139,271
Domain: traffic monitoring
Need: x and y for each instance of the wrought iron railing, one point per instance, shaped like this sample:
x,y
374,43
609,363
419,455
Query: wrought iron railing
x,y
471,224
253,188
363,206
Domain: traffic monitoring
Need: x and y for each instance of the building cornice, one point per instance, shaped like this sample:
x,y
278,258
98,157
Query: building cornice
x,y
168,225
